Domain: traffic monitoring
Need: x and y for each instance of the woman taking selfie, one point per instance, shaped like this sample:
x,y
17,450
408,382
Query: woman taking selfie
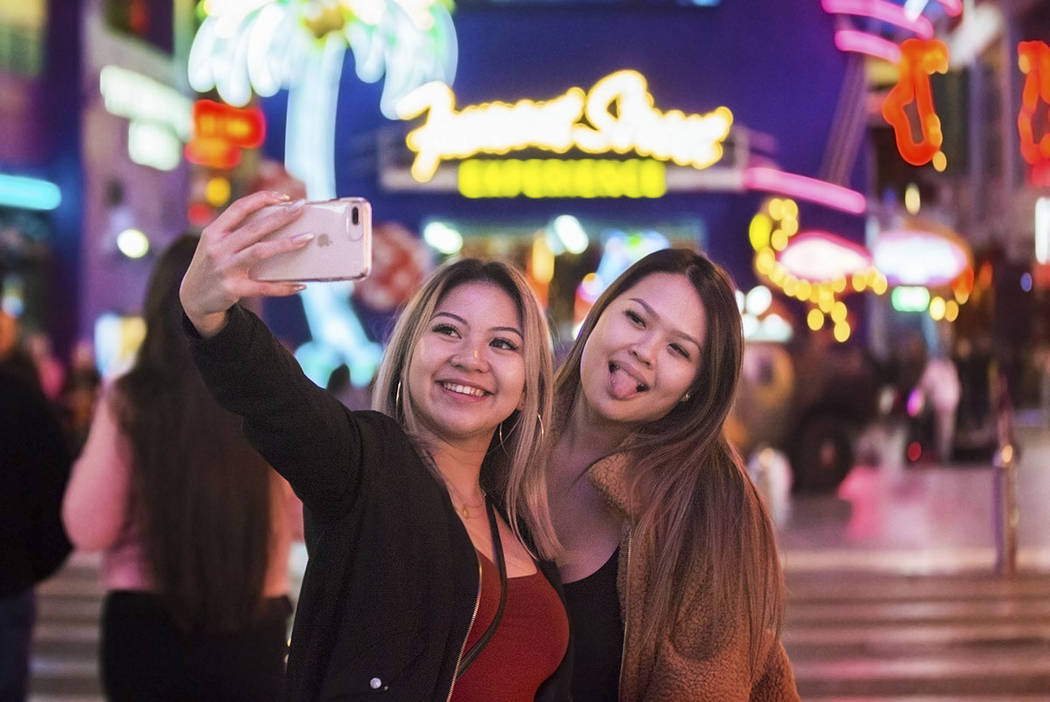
x,y
421,583
671,574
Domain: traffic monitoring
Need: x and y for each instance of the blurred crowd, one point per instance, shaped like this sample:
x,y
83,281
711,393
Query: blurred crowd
x,y
70,385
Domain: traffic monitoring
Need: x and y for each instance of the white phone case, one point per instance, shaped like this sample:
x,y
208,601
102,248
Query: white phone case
x,y
340,250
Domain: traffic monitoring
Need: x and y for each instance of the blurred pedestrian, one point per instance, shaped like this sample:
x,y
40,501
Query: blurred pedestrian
x,y
940,389
34,467
13,354
79,395
672,578
428,577
194,527
50,370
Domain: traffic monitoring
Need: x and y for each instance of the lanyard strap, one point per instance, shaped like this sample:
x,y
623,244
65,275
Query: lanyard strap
x,y
497,546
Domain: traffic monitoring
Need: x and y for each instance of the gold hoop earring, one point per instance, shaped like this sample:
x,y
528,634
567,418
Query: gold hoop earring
x,y
539,418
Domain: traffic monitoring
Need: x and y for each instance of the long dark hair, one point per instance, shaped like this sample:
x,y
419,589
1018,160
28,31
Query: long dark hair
x,y
200,491
694,497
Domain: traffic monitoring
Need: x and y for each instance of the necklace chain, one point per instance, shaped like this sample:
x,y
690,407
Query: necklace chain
x,y
463,508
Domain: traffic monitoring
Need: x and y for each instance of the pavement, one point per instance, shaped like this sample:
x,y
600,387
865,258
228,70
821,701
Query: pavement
x,y
894,592
924,518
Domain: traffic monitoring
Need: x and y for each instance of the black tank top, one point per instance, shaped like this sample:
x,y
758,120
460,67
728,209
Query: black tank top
x,y
597,634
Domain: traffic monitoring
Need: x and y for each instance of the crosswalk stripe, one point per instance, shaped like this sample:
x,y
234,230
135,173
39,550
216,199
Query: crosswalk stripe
x,y
854,636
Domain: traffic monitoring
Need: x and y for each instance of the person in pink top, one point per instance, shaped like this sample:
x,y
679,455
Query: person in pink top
x,y
194,527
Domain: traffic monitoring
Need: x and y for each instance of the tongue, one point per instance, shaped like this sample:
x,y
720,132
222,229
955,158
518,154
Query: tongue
x,y
623,385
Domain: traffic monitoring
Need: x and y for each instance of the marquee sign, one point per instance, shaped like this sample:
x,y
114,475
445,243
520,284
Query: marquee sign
x,y
615,117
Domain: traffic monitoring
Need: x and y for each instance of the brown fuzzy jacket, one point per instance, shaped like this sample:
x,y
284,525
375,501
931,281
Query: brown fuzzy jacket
x,y
695,664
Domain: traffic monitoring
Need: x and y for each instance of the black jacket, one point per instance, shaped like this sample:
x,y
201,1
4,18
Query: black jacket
x,y
391,583
34,469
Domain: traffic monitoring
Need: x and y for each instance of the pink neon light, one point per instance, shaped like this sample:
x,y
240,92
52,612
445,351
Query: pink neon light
x,y
882,11
864,43
819,256
804,188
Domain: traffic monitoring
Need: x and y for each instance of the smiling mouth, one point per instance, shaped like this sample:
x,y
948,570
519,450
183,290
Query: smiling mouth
x,y
465,390
613,367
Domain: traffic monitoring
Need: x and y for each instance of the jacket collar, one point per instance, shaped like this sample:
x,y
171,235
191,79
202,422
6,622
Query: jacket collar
x,y
609,475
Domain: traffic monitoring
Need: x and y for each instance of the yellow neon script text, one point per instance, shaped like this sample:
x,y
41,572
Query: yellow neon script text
x,y
551,177
617,115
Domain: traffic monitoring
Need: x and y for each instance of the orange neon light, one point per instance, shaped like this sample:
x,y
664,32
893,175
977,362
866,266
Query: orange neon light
x,y
1033,57
920,58
242,127
221,131
212,152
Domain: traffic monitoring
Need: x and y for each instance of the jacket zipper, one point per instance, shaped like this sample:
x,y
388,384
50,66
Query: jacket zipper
x,y
463,646
627,619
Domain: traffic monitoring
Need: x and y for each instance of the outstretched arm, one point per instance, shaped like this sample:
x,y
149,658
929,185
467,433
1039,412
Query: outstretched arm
x,y
301,430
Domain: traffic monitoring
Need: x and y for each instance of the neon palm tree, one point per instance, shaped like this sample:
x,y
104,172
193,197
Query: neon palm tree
x,y
265,45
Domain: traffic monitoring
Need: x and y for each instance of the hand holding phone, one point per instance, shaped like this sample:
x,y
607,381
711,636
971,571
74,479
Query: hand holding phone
x,y
219,274
341,247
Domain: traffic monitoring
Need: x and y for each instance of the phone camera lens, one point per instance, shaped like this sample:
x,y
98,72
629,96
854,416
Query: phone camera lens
x,y
354,217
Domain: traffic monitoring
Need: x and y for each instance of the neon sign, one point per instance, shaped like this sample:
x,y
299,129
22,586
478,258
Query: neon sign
x,y
817,256
220,132
883,12
1033,57
28,193
139,98
1042,230
540,178
921,257
615,116
803,187
812,266
919,59
866,43
159,116
263,45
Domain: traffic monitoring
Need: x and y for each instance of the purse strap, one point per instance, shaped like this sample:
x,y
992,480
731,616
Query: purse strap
x,y
497,546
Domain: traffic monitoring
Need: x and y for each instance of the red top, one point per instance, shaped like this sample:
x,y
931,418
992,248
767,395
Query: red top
x,y
527,646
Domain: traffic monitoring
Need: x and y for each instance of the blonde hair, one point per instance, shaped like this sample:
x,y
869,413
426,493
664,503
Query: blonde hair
x,y
697,502
509,471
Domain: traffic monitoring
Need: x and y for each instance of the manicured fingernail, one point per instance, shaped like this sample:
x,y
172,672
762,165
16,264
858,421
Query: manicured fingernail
x,y
303,238
296,205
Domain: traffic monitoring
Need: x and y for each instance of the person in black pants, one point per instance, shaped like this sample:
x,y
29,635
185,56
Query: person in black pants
x,y
194,527
428,533
34,467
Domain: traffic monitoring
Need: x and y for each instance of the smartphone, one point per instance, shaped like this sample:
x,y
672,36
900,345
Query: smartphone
x,y
340,250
